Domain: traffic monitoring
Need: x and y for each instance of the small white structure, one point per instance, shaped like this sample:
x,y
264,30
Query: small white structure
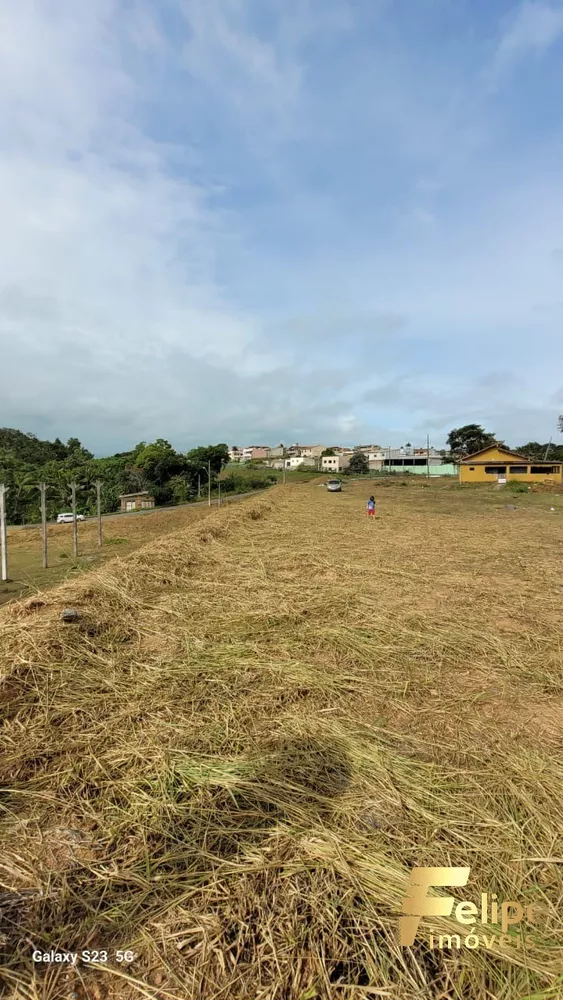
x,y
296,460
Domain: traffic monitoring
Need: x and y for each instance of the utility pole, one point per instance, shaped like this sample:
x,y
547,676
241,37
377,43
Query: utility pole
x,y
98,484
209,483
73,486
3,532
199,485
547,450
43,489
428,456
219,495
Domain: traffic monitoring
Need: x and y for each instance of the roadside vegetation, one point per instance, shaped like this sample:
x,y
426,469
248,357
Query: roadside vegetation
x,y
170,476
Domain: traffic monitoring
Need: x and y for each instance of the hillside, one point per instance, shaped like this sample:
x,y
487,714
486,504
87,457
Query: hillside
x,y
260,723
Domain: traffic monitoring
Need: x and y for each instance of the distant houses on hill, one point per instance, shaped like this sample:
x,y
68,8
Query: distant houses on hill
x,y
493,464
336,458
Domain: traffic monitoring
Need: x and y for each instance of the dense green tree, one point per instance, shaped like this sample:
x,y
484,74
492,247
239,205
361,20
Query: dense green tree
x,y
328,451
358,463
59,450
25,461
159,462
18,477
29,448
537,451
463,441
76,451
216,454
181,489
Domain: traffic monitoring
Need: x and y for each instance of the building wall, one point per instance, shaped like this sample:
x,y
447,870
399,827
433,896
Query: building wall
x,y
299,460
136,503
436,469
330,463
413,461
255,451
334,463
479,474
488,465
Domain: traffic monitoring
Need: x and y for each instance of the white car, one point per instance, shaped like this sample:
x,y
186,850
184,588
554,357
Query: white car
x,y
334,486
68,518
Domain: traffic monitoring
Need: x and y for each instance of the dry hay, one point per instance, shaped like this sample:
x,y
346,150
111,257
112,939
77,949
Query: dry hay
x,y
256,728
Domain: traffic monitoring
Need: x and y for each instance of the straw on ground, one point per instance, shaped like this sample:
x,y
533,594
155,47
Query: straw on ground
x,y
258,725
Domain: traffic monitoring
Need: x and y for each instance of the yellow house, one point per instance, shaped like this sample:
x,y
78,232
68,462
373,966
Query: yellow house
x,y
499,464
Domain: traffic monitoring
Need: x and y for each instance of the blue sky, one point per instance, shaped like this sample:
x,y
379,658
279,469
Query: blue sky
x,y
265,220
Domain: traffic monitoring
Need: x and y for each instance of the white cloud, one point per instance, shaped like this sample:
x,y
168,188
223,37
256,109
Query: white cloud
x,y
102,246
225,226
254,76
534,28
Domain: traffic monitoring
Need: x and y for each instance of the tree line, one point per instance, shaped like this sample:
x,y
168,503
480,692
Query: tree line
x,y
170,476
471,438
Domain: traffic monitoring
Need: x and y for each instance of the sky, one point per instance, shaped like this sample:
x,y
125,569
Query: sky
x,y
254,221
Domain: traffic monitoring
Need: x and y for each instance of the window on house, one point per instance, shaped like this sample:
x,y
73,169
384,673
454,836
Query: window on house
x,y
472,468
130,505
548,470
518,468
493,470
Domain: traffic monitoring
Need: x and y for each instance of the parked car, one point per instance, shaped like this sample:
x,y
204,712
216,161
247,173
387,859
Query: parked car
x,y
334,486
68,518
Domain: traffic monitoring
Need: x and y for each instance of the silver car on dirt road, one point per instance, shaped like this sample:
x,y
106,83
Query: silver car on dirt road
x,y
334,486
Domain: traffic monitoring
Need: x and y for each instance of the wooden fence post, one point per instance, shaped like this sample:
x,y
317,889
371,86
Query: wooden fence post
x,y
98,484
43,489
3,532
73,486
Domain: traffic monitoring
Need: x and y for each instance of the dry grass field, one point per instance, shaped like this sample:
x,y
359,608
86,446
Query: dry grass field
x,y
260,723
122,533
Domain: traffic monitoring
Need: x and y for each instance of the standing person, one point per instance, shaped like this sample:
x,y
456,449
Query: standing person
x,y
370,510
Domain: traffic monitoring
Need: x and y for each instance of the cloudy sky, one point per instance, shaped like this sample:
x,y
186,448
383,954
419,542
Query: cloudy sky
x,y
265,220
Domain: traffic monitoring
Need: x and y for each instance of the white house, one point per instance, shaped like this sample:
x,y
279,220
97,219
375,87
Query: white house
x,y
335,463
296,460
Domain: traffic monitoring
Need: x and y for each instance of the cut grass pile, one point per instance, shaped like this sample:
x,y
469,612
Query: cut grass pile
x,y
127,530
259,724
